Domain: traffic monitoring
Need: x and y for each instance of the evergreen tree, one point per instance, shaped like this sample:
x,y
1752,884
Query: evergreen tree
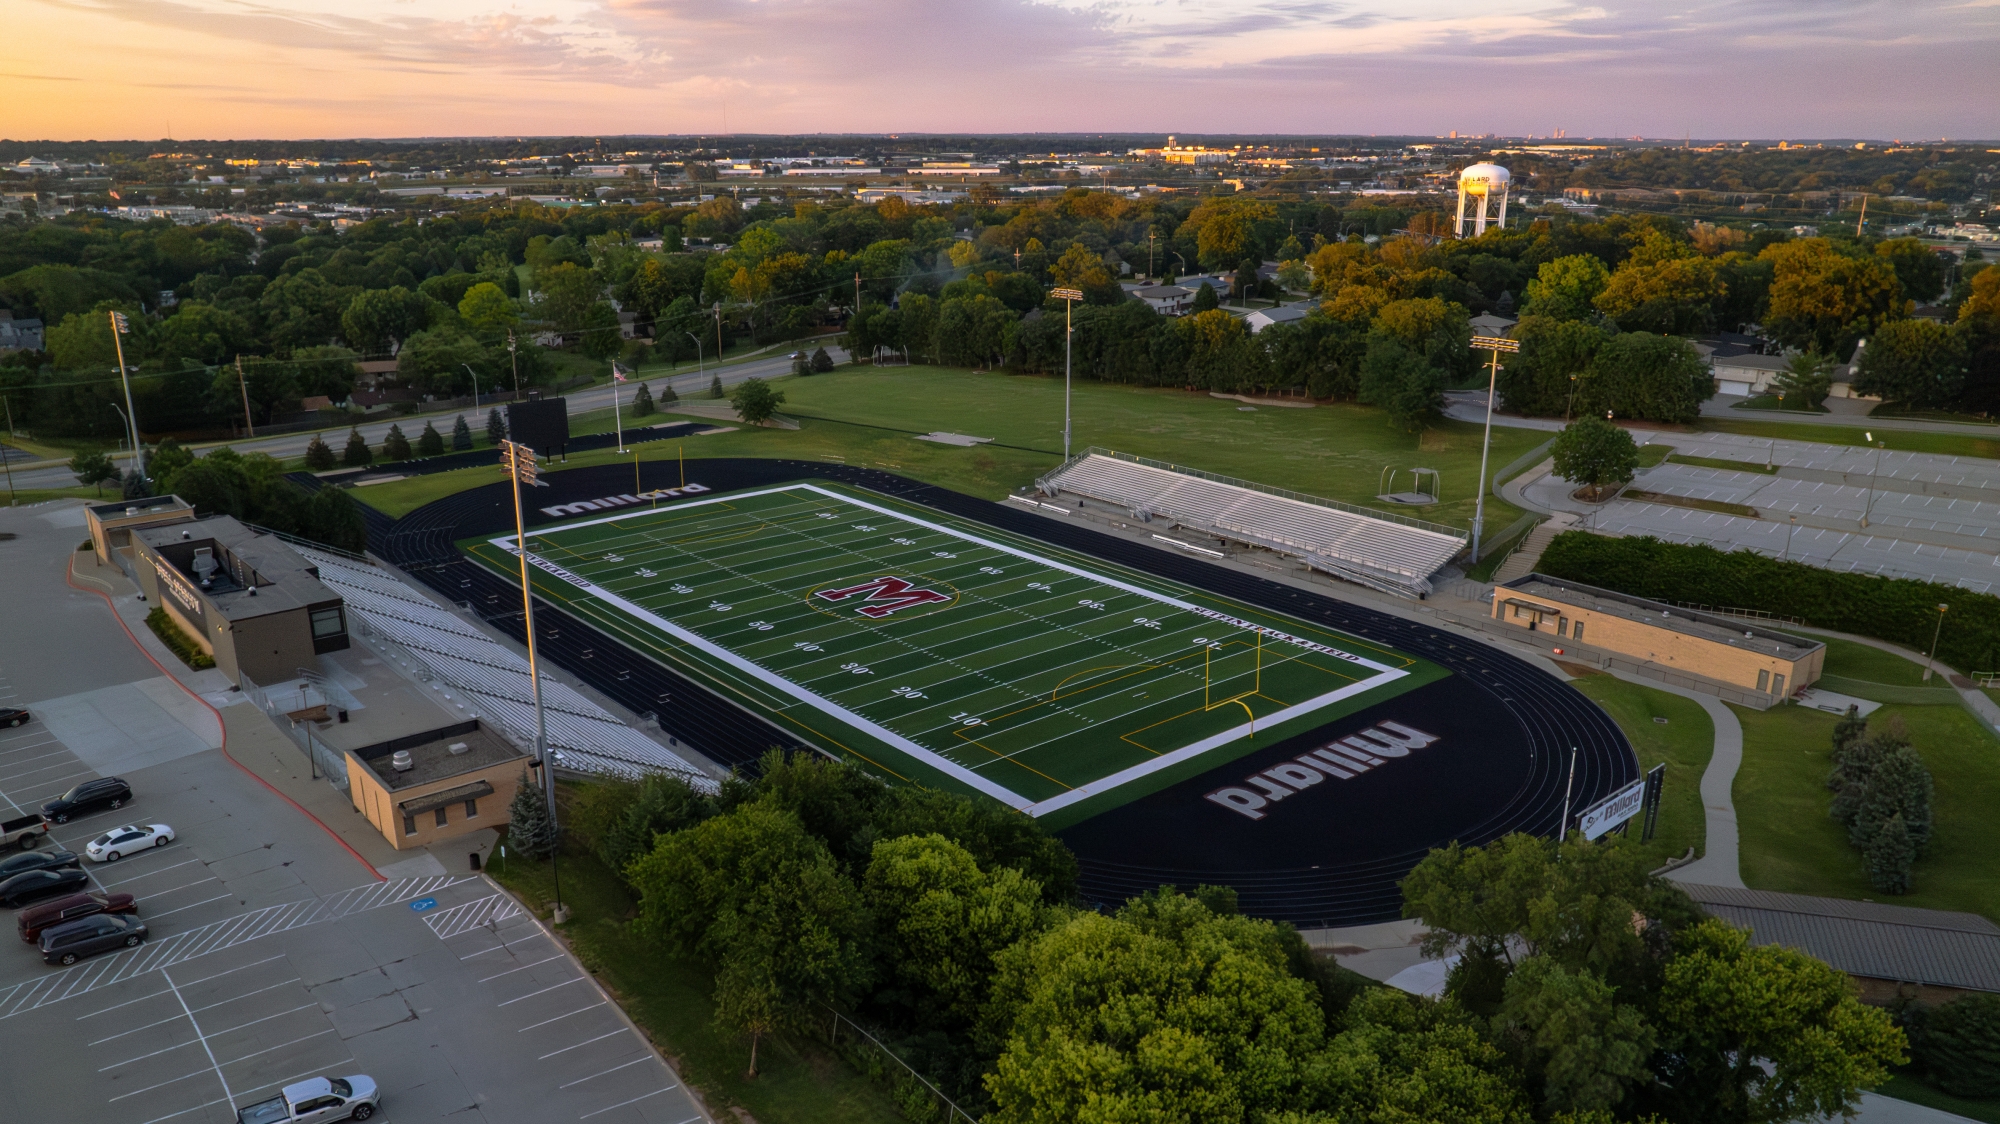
x,y
319,454
357,454
715,388
642,402
135,486
1960,1048
822,363
530,831
395,446
430,442
496,427
1889,856
1205,298
801,363
667,394
461,435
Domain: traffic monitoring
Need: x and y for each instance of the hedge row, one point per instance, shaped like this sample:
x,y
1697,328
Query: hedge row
x,y
176,638
1899,610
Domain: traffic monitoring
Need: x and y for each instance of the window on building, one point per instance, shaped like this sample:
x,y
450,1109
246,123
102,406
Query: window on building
x,y
1764,680
472,809
328,622
1579,633
441,821
1562,626
409,824
1777,684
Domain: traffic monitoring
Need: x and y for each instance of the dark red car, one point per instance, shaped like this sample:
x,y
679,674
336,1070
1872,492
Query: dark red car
x,y
35,918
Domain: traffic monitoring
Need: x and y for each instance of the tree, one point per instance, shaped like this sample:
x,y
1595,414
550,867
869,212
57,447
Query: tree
x,y
1960,1048
1592,452
461,435
1403,1058
135,485
1672,296
755,401
395,447
1767,1033
496,427
94,469
568,293
1824,300
944,921
642,401
1917,266
357,453
668,395
1554,360
1567,288
530,830
1588,1049
430,442
1205,299
1294,276
1648,377
377,319
319,455
1918,363
1398,379
822,363
331,516
487,308
715,387
1806,379
1890,855
597,334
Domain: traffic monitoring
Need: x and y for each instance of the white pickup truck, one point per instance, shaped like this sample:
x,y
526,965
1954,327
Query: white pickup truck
x,y
24,832
320,1099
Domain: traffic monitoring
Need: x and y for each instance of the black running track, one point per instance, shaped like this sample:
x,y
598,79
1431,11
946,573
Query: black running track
x,y
1331,854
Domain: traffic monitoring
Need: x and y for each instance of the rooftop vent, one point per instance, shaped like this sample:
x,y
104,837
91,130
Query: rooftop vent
x,y
456,748
400,761
131,511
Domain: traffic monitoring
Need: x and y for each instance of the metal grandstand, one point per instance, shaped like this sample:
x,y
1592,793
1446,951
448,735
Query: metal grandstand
x,y
1392,553
438,645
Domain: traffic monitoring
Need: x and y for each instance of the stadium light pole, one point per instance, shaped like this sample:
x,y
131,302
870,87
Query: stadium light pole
x,y
1868,507
513,364
1493,345
1935,633
120,328
475,383
1069,297
1569,786
700,368
522,470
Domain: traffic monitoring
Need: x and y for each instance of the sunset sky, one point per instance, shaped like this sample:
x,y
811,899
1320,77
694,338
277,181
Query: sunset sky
x,y
404,68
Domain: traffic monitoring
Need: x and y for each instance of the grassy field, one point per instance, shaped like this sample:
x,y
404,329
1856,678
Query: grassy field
x,y
1853,660
798,1082
1910,1089
1790,843
868,417
1685,742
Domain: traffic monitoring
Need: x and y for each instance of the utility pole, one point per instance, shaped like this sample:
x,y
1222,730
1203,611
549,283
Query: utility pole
x,y
120,327
718,331
1858,223
1928,660
1069,297
512,365
475,384
249,426
1494,345
522,470
1569,786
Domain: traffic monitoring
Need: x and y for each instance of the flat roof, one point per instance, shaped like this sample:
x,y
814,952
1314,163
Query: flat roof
x,y
1705,626
431,758
128,509
282,578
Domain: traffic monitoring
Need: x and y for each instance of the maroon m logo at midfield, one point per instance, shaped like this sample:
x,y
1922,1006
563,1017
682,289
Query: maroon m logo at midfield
x,y
884,595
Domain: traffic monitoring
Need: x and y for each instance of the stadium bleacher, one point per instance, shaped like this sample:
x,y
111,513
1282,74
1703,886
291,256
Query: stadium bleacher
x,y
439,645
1390,553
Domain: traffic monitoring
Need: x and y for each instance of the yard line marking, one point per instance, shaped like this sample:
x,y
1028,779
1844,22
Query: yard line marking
x,y
559,1018
634,1100
613,1069
522,968
580,1045
551,987
197,1030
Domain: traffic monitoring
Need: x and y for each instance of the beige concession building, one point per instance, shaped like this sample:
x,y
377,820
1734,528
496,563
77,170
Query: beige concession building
x,y
1744,661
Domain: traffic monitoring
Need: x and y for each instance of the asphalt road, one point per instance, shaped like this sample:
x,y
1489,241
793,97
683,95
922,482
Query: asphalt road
x,y
290,446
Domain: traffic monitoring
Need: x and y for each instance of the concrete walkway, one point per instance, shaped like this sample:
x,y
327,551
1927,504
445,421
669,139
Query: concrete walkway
x,y
1720,862
1977,701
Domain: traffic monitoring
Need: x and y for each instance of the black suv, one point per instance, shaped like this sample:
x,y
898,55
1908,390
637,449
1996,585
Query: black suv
x,y
73,940
36,860
90,796
34,885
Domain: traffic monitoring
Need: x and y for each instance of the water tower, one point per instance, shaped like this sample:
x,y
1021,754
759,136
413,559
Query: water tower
x,y
1484,181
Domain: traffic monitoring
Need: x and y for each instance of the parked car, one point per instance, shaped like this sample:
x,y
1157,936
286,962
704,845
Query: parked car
x,y
34,919
14,716
36,860
88,797
130,839
322,1098
35,885
71,941
25,832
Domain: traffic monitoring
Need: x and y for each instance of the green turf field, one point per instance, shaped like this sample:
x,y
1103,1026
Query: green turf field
x,y
949,654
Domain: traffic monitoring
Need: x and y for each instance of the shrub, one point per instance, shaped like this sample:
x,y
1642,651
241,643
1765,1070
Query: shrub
x,y
357,453
319,455
430,442
496,427
642,402
177,640
395,446
529,829
461,435
1960,1047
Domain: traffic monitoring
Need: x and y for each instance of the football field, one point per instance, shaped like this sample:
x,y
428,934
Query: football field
x,y
951,653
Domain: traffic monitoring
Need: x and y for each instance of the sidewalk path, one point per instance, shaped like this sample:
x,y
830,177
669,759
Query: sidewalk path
x,y
1719,864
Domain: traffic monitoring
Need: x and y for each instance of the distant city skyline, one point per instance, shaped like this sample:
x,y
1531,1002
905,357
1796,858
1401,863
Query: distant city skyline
x,y
230,69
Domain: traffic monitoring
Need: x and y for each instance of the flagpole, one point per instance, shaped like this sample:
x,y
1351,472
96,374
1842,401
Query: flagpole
x,y
616,418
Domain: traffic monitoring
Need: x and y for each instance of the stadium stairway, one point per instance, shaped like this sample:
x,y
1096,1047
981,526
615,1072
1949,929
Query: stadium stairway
x,y
1522,562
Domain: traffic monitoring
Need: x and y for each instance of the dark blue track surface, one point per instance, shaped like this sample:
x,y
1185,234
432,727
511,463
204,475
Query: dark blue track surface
x,y
1330,855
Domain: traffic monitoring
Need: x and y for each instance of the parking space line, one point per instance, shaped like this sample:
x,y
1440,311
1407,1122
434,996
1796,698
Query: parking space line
x,y
559,1018
278,1084
214,1066
182,886
115,1006
209,1007
634,1100
150,873
204,901
505,944
613,1069
46,768
24,761
233,971
578,1046
280,1046
551,987
522,968
217,1034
